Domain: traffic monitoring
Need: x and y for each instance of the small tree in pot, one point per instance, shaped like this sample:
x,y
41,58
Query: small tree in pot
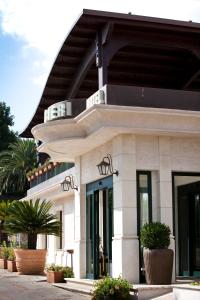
x,y
158,259
31,218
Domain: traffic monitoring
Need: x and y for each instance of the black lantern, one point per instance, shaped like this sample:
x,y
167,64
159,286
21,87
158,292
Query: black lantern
x,y
68,183
105,166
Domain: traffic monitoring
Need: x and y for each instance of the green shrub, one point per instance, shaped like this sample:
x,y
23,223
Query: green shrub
x,y
11,254
115,288
4,251
67,271
155,235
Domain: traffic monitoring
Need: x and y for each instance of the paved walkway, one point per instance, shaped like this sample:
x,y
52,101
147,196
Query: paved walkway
x,y
26,287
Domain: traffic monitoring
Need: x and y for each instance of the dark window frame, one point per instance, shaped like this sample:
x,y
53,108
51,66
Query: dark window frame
x,y
149,191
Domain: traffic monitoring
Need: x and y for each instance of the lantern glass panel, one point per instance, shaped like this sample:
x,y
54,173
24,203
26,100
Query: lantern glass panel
x,y
65,185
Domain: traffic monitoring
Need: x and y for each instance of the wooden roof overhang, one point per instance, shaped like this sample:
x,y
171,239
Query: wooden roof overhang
x,y
121,49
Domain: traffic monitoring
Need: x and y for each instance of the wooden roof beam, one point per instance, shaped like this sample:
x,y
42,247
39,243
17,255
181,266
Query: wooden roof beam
x,y
88,60
191,79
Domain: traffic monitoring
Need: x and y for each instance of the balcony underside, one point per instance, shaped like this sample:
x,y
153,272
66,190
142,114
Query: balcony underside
x,y
66,139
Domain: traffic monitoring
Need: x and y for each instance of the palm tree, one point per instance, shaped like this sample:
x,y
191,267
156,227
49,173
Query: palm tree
x,y
20,158
32,218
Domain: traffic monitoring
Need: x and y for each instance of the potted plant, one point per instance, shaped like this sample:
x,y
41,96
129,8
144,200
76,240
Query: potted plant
x,y
11,262
31,218
4,256
56,273
113,289
158,259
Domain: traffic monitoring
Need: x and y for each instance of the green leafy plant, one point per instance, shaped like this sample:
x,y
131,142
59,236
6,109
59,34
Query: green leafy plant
x,y
4,251
15,162
32,218
54,268
114,288
195,283
4,212
67,271
11,253
155,235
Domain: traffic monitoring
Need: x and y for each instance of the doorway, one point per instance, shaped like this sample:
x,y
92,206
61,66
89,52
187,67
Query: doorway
x,y
189,229
99,228
186,218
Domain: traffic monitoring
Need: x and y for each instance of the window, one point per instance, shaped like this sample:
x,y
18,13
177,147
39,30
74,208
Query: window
x,y
59,238
144,211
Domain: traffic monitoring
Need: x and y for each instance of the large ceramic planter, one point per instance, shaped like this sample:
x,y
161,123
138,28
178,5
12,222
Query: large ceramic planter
x,y
3,263
158,265
54,277
30,261
11,266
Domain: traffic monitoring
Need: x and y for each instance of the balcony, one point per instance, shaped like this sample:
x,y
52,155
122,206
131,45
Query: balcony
x,y
47,171
117,110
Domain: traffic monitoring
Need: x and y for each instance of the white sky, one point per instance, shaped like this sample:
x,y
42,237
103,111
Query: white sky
x,y
42,25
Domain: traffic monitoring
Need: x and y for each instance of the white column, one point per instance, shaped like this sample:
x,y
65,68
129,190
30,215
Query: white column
x,y
79,257
166,204
41,241
125,245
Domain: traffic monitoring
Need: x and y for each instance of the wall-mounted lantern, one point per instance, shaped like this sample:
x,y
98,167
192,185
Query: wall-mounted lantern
x,y
68,184
105,166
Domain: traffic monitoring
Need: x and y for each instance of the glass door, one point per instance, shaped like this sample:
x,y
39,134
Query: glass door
x,y
99,231
189,229
195,219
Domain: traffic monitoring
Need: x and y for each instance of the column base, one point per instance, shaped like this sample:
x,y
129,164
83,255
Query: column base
x,y
79,259
125,258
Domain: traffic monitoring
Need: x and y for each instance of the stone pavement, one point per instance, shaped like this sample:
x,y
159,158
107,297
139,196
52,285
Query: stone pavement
x,y
27,287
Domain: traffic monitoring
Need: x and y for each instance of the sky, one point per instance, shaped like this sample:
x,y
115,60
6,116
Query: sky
x,y
32,32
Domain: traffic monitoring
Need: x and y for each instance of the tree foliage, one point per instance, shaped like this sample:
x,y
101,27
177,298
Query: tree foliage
x,y
20,158
4,213
155,235
32,218
7,136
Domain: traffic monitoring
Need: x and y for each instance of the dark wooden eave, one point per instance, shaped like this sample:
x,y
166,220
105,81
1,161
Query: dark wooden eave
x,y
136,51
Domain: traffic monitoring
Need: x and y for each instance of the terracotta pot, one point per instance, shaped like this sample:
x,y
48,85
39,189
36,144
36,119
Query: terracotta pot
x,y
53,277
30,261
158,265
3,263
11,266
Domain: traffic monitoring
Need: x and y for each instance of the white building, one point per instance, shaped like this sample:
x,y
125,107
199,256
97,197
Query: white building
x,y
137,104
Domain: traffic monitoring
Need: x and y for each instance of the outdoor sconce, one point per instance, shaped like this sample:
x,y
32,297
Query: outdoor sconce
x,y
106,166
68,183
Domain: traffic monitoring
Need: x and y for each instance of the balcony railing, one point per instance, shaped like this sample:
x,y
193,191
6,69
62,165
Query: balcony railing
x,y
48,172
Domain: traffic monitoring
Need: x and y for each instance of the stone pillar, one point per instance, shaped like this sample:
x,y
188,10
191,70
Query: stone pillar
x,y
41,241
166,204
79,257
125,245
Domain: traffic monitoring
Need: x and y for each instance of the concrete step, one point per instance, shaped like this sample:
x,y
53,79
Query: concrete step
x,y
145,292
76,288
87,282
169,296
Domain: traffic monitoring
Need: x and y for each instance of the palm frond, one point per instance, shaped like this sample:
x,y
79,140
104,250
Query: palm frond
x,y
32,217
